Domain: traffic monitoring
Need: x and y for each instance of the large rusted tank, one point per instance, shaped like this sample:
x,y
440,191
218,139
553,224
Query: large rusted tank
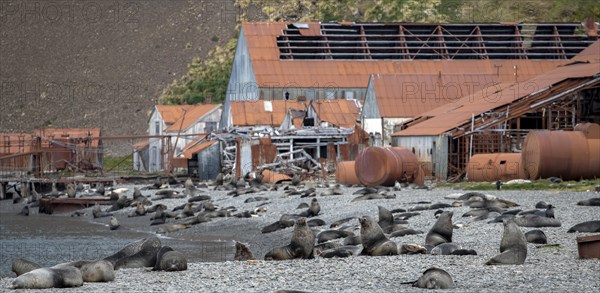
x,y
386,165
345,173
570,155
493,167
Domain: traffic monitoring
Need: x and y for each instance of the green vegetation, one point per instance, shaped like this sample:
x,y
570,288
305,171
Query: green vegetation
x,y
210,77
118,164
583,185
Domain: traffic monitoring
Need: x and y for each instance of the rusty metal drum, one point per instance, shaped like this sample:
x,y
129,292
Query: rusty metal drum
x,y
493,167
386,165
345,173
563,154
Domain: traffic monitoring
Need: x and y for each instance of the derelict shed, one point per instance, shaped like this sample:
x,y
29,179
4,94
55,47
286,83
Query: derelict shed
x,y
322,61
498,121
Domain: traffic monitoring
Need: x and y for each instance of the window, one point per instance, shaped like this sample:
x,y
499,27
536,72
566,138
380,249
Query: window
x,y
210,126
156,127
348,95
329,95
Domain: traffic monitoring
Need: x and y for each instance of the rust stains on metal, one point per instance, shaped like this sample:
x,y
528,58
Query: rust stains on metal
x,y
345,173
262,113
493,167
190,115
386,165
565,154
171,113
272,177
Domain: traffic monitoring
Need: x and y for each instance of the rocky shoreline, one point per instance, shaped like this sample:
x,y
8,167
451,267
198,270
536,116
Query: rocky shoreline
x,y
545,269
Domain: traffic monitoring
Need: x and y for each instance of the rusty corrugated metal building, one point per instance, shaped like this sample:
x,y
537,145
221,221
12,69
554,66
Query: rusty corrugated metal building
x,y
498,119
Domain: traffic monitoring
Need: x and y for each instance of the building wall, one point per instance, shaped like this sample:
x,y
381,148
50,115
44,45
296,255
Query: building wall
x,y
389,127
431,151
155,162
198,127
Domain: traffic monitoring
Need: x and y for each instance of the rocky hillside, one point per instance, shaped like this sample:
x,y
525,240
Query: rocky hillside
x,y
100,63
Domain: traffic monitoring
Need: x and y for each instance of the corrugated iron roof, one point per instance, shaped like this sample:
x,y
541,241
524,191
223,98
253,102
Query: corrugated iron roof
x,y
68,133
196,146
449,117
12,143
270,71
341,112
254,113
189,116
590,54
170,113
409,95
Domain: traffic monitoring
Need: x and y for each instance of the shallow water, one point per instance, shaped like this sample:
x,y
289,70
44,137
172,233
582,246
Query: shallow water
x,y
53,239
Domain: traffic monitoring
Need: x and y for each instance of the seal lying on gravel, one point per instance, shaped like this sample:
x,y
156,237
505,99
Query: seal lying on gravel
x,y
141,253
441,232
170,260
43,278
536,236
513,247
590,202
21,266
344,251
434,278
242,252
589,227
301,245
536,221
93,271
329,235
373,240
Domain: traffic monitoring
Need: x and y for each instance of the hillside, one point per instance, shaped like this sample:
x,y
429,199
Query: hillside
x,y
97,64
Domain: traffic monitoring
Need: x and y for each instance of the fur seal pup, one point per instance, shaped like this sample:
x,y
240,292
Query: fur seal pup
x,y
99,213
43,278
301,245
586,227
170,260
536,221
590,202
434,278
445,249
373,240
513,246
93,271
242,252
352,240
441,232
329,235
21,266
114,223
404,232
412,249
71,192
344,251
316,222
536,236
313,210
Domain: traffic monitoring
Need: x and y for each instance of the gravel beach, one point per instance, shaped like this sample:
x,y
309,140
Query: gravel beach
x,y
545,269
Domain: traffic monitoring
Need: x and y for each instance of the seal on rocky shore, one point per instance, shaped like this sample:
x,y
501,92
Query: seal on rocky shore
x,y
589,227
301,245
536,236
93,271
242,252
114,223
441,232
373,240
513,246
434,278
170,260
43,278
141,253
21,266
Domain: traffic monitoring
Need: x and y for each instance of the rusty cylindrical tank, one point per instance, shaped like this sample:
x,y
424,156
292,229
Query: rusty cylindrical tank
x,y
386,165
345,173
272,177
493,167
569,155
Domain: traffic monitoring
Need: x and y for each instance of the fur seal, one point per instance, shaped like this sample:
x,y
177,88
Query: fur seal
x,y
531,220
21,266
329,235
114,223
344,251
140,210
586,227
441,232
513,247
170,260
373,240
24,211
242,252
93,271
98,213
404,232
536,236
141,253
434,278
412,249
590,202
301,245
71,192
43,278
445,249
313,210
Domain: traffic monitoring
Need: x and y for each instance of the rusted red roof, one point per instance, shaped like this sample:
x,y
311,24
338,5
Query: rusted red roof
x,y
190,116
340,112
196,146
68,134
254,113
451,116
269,70
409,95
589,54
171,113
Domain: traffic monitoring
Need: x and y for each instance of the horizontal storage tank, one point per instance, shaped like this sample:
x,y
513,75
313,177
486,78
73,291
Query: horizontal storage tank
x,y
345,173
494,167
386,165
569,155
